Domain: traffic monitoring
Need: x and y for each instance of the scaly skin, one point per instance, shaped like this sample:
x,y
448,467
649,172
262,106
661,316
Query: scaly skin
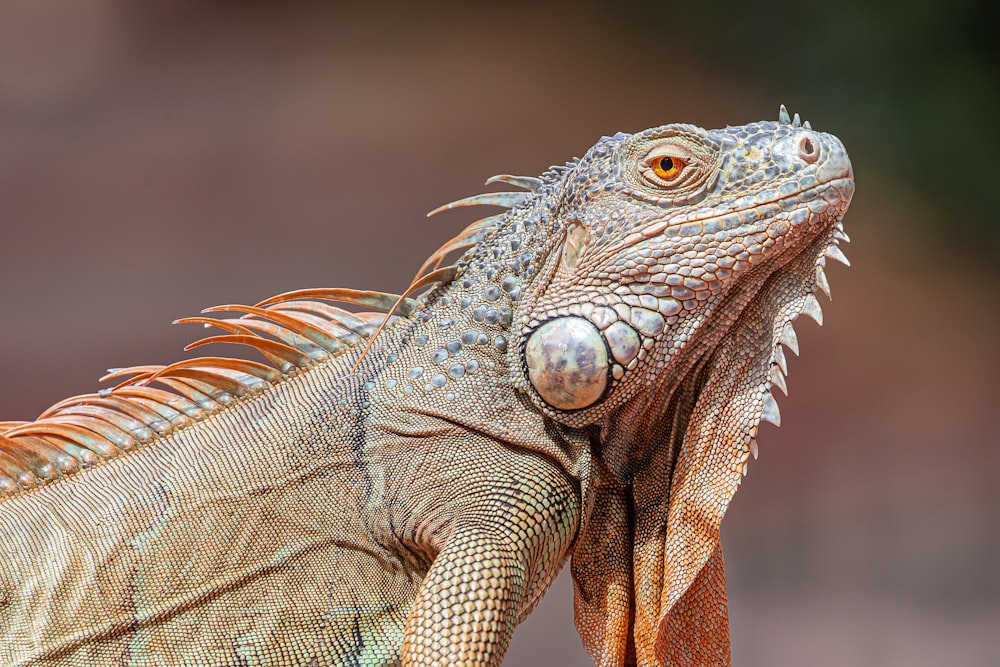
x,y
586,381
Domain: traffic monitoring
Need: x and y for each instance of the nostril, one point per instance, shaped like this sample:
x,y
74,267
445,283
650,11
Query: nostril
x,y
808,147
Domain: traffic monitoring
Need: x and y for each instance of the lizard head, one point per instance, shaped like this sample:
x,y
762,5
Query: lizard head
x,y
680,257
659,228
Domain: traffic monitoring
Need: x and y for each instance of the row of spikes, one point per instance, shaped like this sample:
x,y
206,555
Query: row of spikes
x,y
808,305
292,331
794,121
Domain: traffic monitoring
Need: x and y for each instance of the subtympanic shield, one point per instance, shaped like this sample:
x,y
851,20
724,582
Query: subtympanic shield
x,y
567,361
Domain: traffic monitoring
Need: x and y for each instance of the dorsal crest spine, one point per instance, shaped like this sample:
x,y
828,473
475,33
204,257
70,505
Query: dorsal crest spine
x,y
293,331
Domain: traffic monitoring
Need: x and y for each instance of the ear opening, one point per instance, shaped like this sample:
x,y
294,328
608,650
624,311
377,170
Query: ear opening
x,y
576,240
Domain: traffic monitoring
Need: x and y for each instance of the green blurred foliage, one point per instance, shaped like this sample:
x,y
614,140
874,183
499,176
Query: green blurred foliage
x,y
912,86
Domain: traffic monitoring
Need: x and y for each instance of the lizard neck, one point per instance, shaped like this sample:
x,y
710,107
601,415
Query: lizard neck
x,y
647,431
450,362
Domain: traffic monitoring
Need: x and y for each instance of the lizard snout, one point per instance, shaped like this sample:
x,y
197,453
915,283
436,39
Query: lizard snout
x,y
831,157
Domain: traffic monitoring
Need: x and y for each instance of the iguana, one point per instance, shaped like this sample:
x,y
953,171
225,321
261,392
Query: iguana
x,y
401,486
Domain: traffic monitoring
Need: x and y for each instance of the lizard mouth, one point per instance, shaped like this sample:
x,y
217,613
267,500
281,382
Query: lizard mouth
x,y
841,190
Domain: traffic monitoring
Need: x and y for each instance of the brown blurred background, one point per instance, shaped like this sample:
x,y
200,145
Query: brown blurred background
x,y
163,156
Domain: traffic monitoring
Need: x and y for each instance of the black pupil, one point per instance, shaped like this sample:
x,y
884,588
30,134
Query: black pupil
x,y
666,164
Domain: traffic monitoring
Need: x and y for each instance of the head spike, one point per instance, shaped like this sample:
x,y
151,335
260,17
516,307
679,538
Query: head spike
x,y
380,301
836,254
789,339
771,412
778,380
796,121
442,275
230,326
783,117
503,199
467,238
822,282
290,354
779,358
314,334
812,308
529,183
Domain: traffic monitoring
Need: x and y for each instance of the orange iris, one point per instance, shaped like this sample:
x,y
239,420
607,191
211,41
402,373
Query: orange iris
x,y
666,167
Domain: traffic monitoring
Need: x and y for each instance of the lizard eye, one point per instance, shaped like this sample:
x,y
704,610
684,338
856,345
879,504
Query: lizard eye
x,y
664,169
673,168
668,167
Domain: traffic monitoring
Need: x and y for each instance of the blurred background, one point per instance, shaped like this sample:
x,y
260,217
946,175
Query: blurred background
x,y
160,157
